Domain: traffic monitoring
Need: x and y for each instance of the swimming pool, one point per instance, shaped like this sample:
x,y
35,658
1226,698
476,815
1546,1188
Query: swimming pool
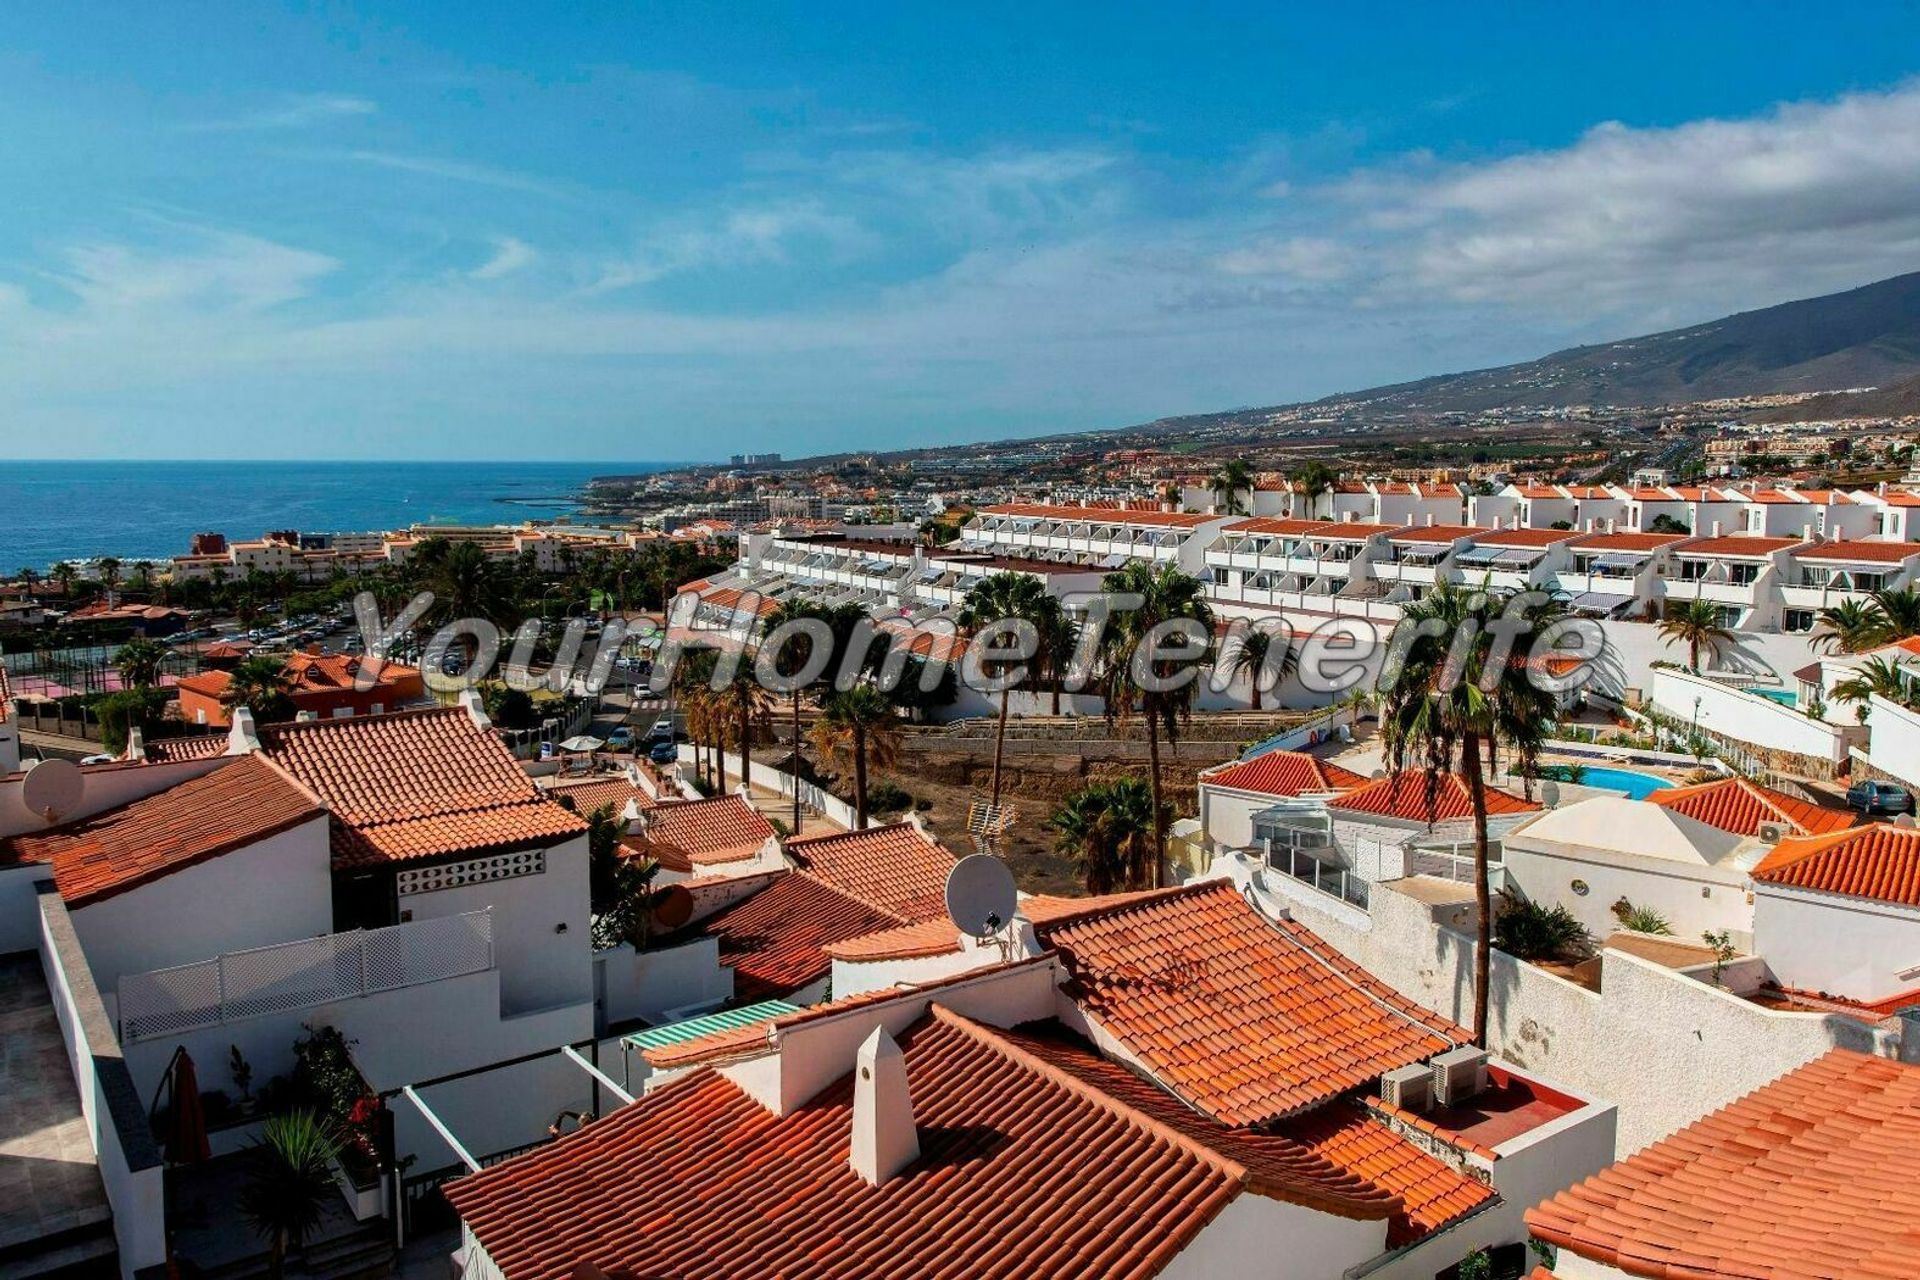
x,y
1785,697
1636,786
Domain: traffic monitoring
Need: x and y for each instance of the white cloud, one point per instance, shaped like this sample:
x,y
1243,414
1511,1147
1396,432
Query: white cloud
x,y
294,111
1311,259
736,238
1710,214
220,271
509,255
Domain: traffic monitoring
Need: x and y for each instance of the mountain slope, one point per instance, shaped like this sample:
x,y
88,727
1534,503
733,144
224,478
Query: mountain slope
x,y
1901,400
1868,336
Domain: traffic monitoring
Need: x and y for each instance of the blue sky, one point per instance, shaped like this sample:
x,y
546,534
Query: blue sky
x,y
665,231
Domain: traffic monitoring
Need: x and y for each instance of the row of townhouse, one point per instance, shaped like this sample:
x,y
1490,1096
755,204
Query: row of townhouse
x,y
317,557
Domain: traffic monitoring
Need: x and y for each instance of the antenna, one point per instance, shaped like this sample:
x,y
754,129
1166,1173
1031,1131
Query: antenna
x,y
673,908
981,897
53,788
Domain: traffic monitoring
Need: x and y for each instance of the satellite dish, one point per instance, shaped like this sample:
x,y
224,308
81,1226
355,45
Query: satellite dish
x,y
981,897
674,909
1904,820
1550,793
53,788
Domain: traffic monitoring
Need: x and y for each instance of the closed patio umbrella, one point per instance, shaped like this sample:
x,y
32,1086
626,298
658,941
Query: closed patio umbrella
x,y
187,1126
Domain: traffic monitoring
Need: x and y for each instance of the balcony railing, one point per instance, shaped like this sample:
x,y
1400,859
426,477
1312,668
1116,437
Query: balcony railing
x,y
299,975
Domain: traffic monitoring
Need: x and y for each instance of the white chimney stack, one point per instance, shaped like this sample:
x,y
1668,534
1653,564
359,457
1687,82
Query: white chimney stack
x,y
136,744
885,1140
470,699
242,738
1716,528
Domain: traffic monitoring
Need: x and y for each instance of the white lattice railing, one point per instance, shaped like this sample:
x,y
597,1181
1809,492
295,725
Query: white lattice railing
x,y
299,975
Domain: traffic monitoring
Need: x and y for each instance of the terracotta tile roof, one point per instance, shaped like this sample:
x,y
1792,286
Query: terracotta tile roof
x,y
1628,541
1271,525
1860,551
1807,1178
898,868
669,858
1439,533
201,746
720,829
1282,773
1336,1159
1404,795
1739,544
1879,861
1246,1019
1739,806
773,941
937,936
1525,537
1099,515
416,784
600,793
699,1182
237,804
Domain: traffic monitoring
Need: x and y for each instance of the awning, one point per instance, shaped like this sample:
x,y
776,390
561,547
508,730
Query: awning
x,y
1599,601
1624,560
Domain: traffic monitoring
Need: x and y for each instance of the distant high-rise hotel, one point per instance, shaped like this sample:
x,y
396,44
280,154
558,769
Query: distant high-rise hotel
x,y
756,459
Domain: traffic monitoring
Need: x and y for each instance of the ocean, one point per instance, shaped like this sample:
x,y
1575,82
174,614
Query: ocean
x,y
53,511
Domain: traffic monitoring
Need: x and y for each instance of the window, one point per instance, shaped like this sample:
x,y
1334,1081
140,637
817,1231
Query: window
x,y
1692,570
1798,620
1815,575
1741,575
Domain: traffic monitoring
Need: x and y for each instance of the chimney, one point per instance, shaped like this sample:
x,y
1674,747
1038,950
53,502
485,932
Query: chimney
x,y
1806,533
470,699
1716,528
136,744
1429,519
885,1140
1593,525
242,737
1610,524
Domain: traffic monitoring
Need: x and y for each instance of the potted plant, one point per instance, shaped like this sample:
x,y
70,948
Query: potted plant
x,y
242,1072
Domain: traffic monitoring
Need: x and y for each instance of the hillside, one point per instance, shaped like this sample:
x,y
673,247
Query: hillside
x,y
1865,337
1901,400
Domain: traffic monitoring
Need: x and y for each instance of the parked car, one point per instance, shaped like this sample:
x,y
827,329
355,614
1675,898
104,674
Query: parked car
x,y
621,738
1872,798
663,752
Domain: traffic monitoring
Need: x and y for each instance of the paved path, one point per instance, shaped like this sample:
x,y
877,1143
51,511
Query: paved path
x,y
49,1182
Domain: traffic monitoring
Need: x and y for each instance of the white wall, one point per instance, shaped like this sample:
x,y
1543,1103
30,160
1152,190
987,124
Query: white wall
x,y
541,965
1693,899
1256,1238
130,1167
1746,717
105,787
1894,739
1823,942
661,985
20,906
277,890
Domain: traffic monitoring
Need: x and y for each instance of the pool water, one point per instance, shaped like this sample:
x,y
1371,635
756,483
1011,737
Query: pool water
x,y
1636,786
1785,697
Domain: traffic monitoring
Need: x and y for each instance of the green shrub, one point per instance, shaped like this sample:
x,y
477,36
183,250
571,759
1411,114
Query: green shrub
x,y
885,797
1528,931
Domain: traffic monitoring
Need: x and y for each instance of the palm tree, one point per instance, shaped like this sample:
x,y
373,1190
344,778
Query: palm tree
x,y
692,688
1059,638
28,575
143,576
746,706
108,569
291,1183
1227,483
1848,627
66,575
1107,829
465,584
1173,614
1695,624
1453,711
1880,676
1313,479
995,600
260,683
138,662
858,725
1899,614
1249,659
799,652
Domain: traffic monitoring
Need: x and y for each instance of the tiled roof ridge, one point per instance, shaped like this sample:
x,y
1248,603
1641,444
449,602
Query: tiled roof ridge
x,y
287,776
1797,849
1066,1080
827,836
349,722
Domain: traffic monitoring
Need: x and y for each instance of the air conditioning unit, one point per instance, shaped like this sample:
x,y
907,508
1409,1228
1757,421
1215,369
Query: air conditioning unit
x,y
1408,1088
1459,1074
1772,832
